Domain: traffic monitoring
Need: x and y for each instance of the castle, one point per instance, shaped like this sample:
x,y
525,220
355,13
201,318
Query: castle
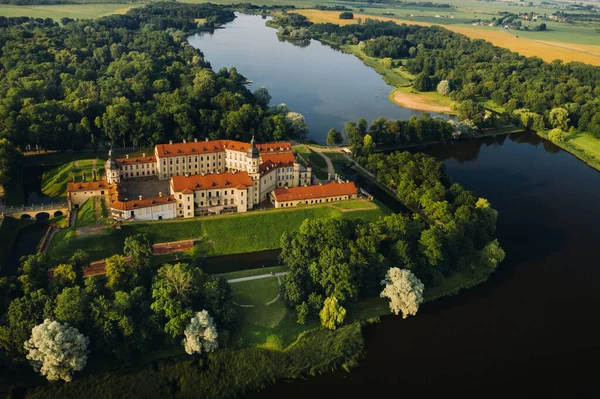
x,y
211,176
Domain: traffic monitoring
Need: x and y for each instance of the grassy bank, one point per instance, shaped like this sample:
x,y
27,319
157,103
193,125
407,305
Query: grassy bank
x,y
389,75
224,373
219,235
54,181
583,145
86,215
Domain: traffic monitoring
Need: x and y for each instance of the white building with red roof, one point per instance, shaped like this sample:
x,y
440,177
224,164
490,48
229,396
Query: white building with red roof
x,y
310,195
268,165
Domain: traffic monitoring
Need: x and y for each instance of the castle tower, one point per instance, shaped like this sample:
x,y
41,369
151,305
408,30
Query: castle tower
x,y
112,170
252,158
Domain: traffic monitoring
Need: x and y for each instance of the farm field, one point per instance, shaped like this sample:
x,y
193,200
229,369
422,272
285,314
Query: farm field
x,y
58,11
548,45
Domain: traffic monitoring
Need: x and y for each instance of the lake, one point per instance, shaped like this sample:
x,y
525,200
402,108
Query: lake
x,y
533,327
325,85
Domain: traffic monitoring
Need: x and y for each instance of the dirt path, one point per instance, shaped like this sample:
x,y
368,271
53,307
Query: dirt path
x,y
239,280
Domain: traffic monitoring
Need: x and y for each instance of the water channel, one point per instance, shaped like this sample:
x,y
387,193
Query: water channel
x,y
532,328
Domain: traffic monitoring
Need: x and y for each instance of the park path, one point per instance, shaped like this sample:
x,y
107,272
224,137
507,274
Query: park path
x,y
319,150
239,280
262,276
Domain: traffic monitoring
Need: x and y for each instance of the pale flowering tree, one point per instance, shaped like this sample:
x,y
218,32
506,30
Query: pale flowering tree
x,y
404,290
201,334
57,350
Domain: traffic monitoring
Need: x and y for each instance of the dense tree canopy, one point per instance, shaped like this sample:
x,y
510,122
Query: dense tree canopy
x,y
130,78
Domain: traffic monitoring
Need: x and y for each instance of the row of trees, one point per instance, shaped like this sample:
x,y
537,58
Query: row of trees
x,y
363,138
131,311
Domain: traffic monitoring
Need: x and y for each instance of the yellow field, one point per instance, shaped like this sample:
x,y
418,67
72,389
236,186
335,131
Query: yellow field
x,y
548,51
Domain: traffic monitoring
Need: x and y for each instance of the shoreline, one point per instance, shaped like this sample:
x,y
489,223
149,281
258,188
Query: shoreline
x,y
417,102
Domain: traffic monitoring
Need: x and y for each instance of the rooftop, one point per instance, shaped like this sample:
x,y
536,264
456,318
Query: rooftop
x,y
210,181
143,203
318,191
136,160
211,146
87,185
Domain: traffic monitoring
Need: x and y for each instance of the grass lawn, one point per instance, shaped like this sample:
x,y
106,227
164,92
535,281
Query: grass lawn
x,y
354,204
218,235
309,155
86,215
270,326
54,181
58,11
585,141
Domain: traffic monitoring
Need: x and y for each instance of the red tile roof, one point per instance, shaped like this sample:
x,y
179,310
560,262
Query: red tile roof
x,y
136,160
211,181
143,203
211,146
272,161
87,185
318,191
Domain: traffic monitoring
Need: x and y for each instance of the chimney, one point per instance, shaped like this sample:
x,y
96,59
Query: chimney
x,y
184,141
170,142
187,175
160,194
74,178
140,197
127,156
144,154
195,140
206,138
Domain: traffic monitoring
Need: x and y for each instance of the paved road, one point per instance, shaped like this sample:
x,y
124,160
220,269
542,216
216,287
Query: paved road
x,y
239,280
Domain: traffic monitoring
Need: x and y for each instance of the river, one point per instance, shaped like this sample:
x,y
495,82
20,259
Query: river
x,y
532,328
319,82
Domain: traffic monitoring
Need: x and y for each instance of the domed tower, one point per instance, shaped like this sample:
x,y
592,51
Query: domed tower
x,y
252,158
111,168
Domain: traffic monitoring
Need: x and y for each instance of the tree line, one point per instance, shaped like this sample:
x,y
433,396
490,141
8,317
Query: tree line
x,y
363,138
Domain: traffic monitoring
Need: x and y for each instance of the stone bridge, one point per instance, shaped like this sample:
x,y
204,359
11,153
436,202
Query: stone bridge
x,y
41,211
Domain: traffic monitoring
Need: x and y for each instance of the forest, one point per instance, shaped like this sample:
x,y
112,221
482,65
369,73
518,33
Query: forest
x,y
132,79
451,231
476,69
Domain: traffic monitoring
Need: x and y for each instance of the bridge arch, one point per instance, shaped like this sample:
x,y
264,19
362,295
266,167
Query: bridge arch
x,y
58,213
25,216
42,216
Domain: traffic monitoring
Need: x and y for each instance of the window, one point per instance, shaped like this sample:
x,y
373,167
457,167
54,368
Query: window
x,y
188,208
179,196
